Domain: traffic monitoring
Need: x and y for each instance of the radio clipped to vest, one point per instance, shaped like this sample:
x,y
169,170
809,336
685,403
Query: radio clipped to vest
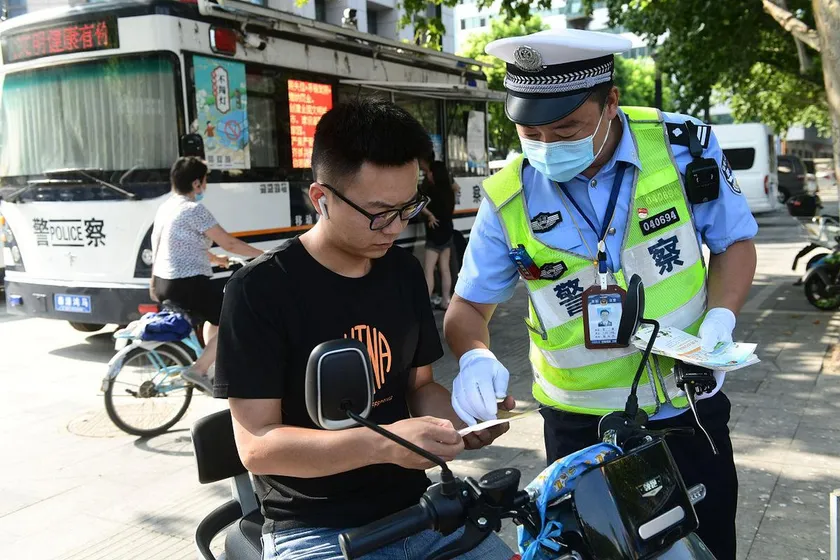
x,y
702,175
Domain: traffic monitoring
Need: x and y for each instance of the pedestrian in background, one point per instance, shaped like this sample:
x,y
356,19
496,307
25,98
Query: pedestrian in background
x,y
440,188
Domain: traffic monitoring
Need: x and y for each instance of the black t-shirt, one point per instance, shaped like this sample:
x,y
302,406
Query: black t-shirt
x,y
276,311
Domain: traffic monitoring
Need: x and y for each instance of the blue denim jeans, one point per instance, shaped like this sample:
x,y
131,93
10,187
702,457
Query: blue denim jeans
x,y
322,544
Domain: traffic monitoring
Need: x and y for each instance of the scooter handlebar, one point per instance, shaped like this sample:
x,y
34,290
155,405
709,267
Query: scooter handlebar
x,y
403,524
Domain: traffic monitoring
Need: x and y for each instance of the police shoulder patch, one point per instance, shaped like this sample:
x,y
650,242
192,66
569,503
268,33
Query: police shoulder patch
x,y
729,176
553,271
545,221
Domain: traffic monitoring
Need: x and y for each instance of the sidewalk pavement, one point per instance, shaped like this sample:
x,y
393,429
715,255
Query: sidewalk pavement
x,y
72,487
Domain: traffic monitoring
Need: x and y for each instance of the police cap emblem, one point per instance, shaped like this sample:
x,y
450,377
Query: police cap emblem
x,y
528,59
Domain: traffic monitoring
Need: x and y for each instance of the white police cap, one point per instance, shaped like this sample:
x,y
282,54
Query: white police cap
x,y
551,73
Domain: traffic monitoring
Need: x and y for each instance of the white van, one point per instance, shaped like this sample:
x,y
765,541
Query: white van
x,y
750,149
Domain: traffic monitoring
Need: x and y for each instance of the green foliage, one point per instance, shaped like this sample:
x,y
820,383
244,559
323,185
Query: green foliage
x,y
502,132
635,79
779,100
733,47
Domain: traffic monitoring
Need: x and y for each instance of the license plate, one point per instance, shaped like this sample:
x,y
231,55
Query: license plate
x,y
71,303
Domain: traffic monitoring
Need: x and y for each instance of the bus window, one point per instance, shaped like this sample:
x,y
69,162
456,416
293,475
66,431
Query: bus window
x,y
427,113
280,123
466,140
112,114
262,119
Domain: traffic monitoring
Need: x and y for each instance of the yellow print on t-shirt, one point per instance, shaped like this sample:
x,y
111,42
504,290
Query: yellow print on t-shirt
x,y
378,349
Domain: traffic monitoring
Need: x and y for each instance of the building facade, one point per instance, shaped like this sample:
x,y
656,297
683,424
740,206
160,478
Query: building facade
x,y
471,20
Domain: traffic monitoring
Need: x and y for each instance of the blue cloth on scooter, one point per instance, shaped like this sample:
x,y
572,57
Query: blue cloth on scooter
x,y
555,481
164,326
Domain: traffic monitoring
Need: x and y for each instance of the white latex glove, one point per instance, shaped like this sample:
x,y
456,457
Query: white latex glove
x,y
717,327
481,381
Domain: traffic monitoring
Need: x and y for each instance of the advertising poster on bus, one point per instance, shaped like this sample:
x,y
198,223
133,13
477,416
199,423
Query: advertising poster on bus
x,y
221,99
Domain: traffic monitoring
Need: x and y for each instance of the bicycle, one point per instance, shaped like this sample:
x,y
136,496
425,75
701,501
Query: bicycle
x,y
144,392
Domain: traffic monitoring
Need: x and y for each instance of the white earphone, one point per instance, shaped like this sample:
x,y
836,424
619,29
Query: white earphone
x,y
322,202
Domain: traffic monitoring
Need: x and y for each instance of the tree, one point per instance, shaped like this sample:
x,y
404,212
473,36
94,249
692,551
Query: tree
x,y
776,61
635,80
502,132
429,31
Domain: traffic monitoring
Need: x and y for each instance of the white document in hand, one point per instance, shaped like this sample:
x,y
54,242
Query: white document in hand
x,y
678,344
502,417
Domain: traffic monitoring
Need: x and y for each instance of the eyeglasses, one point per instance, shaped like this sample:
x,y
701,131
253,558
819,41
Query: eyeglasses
x,y
381,220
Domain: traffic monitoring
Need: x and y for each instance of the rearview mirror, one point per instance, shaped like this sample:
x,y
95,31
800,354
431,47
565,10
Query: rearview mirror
x,y
338,378
633,310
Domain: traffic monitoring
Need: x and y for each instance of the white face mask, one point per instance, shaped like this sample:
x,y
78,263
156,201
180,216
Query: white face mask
x,y
563,160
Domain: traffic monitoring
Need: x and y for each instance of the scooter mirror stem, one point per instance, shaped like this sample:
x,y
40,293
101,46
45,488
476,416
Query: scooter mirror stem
x,y
631,408
449,484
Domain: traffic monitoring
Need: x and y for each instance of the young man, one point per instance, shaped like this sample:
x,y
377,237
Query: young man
x,y
342,278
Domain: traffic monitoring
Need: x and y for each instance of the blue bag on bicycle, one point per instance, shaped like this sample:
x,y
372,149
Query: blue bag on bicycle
x,y
164,326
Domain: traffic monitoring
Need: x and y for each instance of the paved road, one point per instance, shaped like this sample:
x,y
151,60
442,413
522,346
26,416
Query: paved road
x,y
72,487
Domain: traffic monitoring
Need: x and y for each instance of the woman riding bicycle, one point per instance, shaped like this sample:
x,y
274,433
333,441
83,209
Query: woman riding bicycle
x,y
183,233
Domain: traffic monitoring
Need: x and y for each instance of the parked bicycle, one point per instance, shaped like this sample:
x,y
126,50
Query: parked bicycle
x,y
144,392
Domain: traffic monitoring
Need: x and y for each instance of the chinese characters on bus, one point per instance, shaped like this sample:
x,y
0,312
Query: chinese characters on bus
x,y
69,233
221,98
64,39
307,103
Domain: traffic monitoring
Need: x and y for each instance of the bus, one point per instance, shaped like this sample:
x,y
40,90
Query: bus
x,y
98,100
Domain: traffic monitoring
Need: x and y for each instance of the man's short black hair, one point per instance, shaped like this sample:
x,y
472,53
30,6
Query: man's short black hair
x,y
366,130
184,171
600,93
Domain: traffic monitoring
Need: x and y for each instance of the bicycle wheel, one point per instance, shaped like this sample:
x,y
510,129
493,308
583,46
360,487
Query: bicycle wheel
x,y
145,400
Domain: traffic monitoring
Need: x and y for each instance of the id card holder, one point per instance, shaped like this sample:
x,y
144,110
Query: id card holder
x,y
602,310
526,266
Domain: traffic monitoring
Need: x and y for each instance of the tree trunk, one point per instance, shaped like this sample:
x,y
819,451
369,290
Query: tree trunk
x,y
804,59
827,17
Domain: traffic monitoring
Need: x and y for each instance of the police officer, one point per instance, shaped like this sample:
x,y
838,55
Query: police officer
x,y
604,193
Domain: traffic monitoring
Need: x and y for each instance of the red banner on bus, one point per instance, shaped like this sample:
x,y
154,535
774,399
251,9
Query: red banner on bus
x,y
308,101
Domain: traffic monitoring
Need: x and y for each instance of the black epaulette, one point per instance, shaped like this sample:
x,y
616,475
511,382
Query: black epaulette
x,y
678,134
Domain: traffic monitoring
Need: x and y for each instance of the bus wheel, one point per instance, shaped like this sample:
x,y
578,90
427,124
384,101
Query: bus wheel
x,y
86,327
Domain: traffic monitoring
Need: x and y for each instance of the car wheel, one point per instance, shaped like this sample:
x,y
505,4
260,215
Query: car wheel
x,y
782,196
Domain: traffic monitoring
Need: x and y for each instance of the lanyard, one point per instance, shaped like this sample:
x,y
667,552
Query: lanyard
x,y
602,245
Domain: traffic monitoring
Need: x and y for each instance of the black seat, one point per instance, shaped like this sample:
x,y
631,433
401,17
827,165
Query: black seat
x,y
217,459
243,539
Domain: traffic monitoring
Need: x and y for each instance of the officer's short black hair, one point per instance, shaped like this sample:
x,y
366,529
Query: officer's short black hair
x,y
601,92
184,171
365,130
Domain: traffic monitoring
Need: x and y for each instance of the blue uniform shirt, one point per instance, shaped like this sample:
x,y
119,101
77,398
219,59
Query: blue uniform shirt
x,y
489,276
